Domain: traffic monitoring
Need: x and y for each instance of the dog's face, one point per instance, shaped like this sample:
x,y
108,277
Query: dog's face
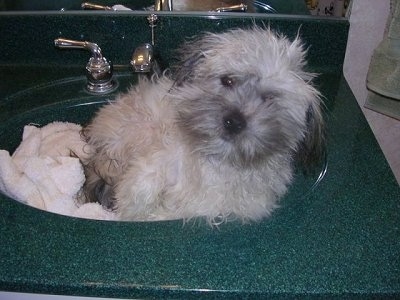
x,y
243,96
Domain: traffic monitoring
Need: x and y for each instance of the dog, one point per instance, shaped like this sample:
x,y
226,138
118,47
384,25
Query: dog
x,y
218,140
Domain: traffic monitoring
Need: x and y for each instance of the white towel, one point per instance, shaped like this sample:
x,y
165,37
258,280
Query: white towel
x,y
45,171
120,7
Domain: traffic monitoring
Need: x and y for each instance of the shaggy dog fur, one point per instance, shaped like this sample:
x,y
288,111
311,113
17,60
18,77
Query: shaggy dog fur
x,y
219,140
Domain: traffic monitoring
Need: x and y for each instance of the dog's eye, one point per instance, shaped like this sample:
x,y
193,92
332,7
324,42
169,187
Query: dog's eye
x,y
269,96
227,81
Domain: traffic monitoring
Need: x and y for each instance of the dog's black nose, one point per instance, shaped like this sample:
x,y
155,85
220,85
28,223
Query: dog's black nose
x,y
234,123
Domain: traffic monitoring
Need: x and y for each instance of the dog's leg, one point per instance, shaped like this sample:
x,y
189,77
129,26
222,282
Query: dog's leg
x,y
139,193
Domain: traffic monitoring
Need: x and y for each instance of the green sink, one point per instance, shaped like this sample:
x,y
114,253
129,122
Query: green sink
x,y
337,239
67,100
64,100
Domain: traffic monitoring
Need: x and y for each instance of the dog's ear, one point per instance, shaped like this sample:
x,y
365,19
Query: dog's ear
x,y
186,69
191,55
311,153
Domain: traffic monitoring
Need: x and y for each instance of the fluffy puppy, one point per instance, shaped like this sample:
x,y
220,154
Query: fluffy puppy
x,y
219,140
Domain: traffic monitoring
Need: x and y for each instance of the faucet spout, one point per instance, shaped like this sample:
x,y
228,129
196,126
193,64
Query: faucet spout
x,y
143,58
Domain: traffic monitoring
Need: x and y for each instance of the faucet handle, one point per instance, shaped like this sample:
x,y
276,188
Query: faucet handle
x,y
234,8
98,69
72,44
89,5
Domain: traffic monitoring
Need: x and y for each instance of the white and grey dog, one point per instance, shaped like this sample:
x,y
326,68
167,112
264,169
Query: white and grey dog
x,y
219,140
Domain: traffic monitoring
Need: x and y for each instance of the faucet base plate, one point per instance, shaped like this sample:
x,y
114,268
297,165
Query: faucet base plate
x,y
102,88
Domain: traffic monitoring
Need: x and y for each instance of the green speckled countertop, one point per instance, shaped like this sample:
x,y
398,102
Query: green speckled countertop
x,y
340,239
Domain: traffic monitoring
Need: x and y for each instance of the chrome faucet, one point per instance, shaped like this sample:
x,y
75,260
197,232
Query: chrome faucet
x,y
165,5
89,5
143,60
98,69
94,6
234,8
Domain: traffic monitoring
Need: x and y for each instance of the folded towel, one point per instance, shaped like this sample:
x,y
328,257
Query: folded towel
x,y
45,171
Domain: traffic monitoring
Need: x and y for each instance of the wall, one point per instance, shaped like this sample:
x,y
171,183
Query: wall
x,y
367,25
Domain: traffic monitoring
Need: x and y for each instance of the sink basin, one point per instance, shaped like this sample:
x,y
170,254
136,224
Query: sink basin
x,y
67,100
66,90
63,100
